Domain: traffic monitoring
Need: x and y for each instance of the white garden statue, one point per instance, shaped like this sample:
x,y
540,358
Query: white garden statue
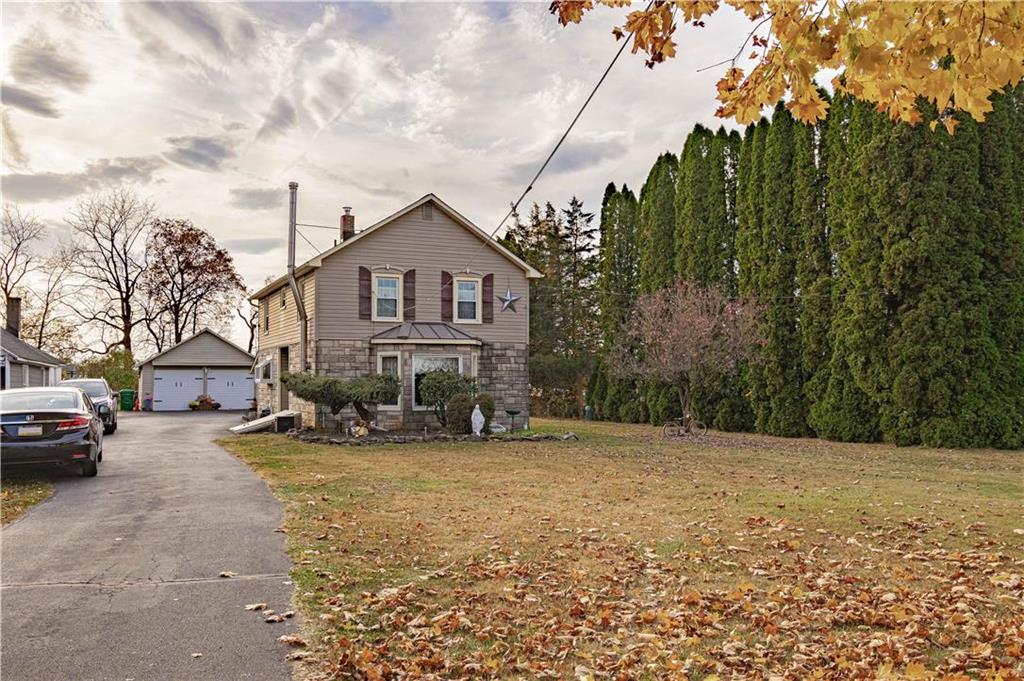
x,y
477,420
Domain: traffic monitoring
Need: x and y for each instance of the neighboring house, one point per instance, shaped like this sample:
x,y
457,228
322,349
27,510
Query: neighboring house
x,y
420,290
205,364
23,365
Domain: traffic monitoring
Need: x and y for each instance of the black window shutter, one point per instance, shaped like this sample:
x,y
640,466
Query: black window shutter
x,y
488,299
365,297
409,296
446,296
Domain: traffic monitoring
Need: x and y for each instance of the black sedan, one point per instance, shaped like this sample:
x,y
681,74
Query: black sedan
x,y
100,393
51,426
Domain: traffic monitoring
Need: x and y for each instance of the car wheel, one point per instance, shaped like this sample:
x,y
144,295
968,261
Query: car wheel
x,y
89,469
107,430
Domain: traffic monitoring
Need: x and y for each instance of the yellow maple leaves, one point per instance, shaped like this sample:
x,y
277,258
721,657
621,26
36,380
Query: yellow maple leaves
x,y
899,54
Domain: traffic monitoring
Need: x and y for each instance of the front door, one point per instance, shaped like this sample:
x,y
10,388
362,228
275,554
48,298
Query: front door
x,y
282,368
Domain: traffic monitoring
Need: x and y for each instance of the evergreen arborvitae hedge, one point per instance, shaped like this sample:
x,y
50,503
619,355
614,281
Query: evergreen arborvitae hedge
x,y
814,264
657,225
783,412
889,260
1002,207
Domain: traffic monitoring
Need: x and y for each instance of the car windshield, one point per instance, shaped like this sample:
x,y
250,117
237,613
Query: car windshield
x,y
91,388
43,399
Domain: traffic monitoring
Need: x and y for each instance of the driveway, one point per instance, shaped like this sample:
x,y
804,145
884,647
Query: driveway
x,y
116,577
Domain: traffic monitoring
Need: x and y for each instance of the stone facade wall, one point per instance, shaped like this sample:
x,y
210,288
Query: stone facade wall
x,y
268,392
504,375
500,368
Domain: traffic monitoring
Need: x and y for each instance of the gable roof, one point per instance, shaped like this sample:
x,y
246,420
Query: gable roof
x,y
26,352
192,338
456,217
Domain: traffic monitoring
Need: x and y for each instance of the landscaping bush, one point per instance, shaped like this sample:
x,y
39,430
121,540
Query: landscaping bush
x,y
438,387
337,393
460,412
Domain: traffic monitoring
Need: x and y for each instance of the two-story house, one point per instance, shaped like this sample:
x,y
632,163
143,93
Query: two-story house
x,y
421,290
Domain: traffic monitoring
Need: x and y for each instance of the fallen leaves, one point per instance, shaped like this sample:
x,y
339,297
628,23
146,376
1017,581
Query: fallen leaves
x,y
649,562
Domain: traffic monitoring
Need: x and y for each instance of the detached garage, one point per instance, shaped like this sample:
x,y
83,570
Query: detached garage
x,y
206,364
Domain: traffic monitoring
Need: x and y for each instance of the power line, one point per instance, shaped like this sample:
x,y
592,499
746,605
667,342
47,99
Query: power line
x,y
315,249
554,150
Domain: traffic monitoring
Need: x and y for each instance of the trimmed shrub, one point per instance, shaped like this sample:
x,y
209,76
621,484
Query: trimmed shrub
x,y
438,387
460,412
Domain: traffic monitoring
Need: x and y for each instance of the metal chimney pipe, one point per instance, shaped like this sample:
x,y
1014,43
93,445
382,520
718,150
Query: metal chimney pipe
x,y
293,190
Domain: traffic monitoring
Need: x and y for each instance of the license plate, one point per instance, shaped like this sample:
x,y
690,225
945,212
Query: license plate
x,y
30,431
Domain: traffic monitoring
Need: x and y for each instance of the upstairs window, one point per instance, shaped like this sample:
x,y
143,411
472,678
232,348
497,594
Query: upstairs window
x,y
467,301
266,316
386,290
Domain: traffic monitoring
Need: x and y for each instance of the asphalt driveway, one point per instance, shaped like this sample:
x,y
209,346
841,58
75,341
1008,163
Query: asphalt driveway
x,y
116,577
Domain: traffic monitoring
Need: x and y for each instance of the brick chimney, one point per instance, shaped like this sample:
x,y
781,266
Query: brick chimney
x,y
14,316
348,223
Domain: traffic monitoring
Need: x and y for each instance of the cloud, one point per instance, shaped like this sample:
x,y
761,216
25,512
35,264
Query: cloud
x,y
193,19
14,156
278,119
253,246
29,187
202,153
575,155
256,199
26,100
35,59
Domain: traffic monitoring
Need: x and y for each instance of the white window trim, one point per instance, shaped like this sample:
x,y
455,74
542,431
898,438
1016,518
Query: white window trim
x,y
380,370
412,375
401,295
479,299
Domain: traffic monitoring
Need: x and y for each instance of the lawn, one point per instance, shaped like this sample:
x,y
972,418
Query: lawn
x,y
622,556
22,489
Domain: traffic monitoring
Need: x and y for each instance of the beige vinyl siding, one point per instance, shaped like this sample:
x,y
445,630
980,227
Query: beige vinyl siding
x,y
145,382
429,247
284,322
204,350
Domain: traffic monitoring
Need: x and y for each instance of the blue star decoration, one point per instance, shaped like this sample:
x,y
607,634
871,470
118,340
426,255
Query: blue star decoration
x,y
508,301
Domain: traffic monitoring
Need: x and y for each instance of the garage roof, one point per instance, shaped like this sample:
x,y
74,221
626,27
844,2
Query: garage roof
x,y
206,348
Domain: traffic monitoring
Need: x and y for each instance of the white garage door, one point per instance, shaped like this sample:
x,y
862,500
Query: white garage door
x,y
173,389
233,388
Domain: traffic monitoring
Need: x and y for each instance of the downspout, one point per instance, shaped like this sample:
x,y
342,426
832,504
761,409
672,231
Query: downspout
x,y
293,189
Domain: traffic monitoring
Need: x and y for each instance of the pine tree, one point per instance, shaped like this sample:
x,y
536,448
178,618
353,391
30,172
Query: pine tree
x,y
785,411
577,294
657,225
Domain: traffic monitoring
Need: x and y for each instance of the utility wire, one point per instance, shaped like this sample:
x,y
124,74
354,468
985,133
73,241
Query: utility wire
x,y
543,166
315,249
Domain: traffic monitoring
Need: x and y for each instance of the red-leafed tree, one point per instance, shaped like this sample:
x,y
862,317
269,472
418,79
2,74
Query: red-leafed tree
x,y
190,281
686,334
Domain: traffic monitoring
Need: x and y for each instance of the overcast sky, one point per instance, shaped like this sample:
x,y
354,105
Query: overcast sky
x,y
211,109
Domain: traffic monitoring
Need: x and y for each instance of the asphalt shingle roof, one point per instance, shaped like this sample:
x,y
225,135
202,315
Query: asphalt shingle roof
x,y
25,351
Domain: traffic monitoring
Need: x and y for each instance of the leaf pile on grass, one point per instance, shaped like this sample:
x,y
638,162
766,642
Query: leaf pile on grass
x,y
632,615
624,557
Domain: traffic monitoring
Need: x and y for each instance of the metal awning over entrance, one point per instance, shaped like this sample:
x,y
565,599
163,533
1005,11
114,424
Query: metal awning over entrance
x,y
425,332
